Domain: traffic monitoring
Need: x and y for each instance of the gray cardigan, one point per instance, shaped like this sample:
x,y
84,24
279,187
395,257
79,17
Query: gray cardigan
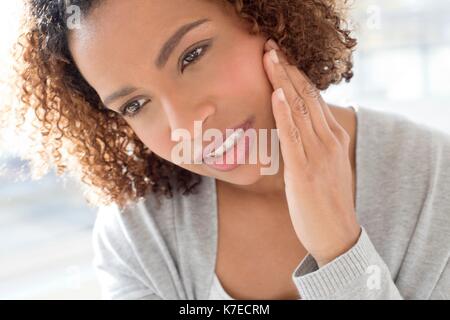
x,y
167,249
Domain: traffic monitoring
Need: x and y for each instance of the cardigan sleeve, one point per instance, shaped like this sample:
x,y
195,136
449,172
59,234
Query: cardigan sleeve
x,y
359,273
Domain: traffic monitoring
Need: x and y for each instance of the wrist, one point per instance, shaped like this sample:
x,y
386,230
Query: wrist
x,y
338,250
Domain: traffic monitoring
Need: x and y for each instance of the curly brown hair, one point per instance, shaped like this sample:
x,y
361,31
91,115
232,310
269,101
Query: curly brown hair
x,y
74,131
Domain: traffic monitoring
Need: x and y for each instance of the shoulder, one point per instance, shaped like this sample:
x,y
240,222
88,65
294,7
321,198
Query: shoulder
x,y
120,233
403,172
149,243
137,222
153,222
140,216
402,159
395,142
128,246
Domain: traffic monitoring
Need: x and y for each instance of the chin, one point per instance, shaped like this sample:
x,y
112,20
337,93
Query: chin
x,y
244,175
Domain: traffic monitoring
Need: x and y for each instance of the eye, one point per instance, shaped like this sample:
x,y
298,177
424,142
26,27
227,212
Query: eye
x,y
133,108
192,56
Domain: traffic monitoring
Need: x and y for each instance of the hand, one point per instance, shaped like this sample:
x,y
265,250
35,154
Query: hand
x,y
317,169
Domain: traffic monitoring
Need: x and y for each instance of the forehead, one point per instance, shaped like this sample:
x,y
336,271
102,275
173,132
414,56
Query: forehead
x,y
119,36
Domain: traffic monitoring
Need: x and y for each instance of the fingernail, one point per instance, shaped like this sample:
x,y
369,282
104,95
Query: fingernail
x,y
274,56
271,43
280,94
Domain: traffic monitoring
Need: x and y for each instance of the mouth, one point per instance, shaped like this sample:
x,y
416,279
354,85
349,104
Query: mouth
x,y
215,154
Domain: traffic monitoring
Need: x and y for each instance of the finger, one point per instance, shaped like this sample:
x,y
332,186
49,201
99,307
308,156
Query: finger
x,y
338,130
298,108
288,133
332,122
311,95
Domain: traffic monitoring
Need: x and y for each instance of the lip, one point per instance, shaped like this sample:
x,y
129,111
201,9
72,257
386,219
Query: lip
x,y
212,146
248,123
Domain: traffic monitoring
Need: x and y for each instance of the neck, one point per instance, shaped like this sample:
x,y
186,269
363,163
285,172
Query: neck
x,y
267,185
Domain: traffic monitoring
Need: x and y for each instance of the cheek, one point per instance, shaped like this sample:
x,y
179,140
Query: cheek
x,y
156,139
244,77
238,74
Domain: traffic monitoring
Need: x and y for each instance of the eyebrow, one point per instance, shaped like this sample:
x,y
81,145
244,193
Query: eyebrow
x,y
164,55
174,40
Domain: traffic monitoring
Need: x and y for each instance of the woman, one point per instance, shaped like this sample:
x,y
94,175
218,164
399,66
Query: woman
x,y
358,208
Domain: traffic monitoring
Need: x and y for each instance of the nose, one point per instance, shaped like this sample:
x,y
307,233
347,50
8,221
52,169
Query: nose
x,y
183,114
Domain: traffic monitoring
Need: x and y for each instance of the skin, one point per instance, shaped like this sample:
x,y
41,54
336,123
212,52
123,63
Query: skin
x,y
316,163
233,80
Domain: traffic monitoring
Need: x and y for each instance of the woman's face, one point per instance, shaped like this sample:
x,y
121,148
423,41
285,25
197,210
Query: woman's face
x,y
214,74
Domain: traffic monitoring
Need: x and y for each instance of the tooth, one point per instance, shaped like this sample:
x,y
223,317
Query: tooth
x,y
228,144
